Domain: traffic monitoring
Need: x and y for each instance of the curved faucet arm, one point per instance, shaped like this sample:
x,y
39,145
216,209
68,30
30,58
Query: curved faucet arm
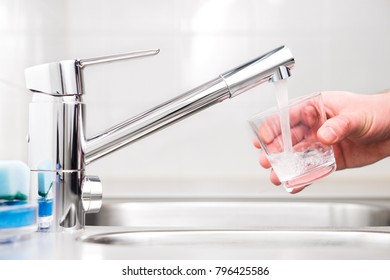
x,y
155,119
272,66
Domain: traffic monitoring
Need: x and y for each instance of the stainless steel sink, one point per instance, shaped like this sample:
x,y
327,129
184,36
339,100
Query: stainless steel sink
x,y
239,214
240,229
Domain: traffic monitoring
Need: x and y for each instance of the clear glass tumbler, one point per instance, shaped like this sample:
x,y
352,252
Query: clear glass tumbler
x,y
288,136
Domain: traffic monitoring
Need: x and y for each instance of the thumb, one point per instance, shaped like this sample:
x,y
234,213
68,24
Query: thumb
x,y
340,127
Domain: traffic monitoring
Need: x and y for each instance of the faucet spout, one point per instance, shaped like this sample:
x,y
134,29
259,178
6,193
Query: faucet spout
x,y
271,66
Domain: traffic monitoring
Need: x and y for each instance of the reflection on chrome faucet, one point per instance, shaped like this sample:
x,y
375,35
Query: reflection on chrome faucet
x,y
57,124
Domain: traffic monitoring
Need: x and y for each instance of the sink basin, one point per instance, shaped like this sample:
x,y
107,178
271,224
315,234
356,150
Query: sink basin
x,y
240,229
239,214
244,244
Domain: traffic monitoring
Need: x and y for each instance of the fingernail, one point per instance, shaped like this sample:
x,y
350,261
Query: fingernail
x,y
328,134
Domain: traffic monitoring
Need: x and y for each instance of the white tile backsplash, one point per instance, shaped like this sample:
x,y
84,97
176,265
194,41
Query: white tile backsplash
x,y
337,45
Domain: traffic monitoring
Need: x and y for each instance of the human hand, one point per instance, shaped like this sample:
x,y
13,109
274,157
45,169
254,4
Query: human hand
x,y
358,127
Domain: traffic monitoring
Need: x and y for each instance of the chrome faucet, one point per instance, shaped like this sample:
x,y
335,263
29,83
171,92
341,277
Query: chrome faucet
x,y
59,149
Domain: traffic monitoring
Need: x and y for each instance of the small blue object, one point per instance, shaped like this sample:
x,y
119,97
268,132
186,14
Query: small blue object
x,y
14,180
15,214
45,207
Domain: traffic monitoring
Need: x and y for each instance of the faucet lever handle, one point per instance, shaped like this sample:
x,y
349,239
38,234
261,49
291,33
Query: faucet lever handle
x,y
64,78
116,57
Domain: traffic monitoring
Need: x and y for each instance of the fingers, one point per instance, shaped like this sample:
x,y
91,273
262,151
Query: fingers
x,y
340,127
299,134
264,162
327,134
301,122
274,178
256,143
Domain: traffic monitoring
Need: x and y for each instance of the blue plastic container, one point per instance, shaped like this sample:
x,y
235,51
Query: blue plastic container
x,y
17,219
18,211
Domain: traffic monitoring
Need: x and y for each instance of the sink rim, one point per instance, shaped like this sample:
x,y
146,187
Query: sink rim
x,y
151,237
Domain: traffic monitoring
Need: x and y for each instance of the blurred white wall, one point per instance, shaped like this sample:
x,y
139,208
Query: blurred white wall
x,y
338,45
